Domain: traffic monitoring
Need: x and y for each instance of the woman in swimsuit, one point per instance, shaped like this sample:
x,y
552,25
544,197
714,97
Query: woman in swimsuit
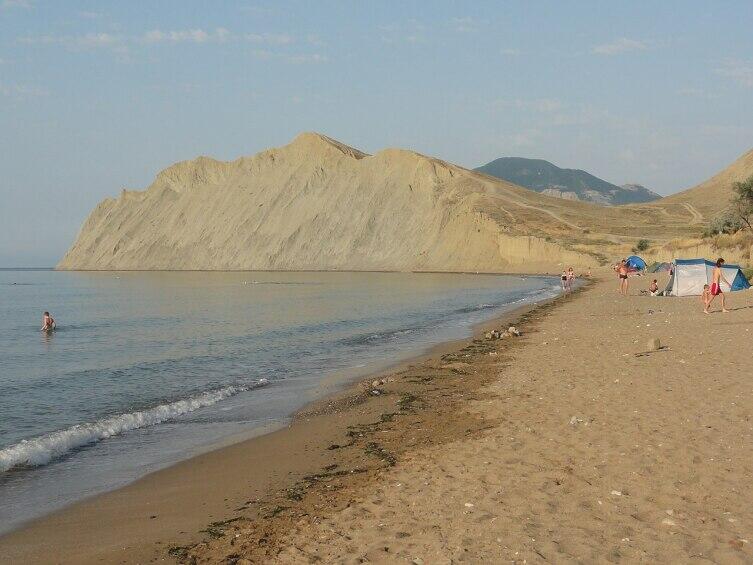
x,y
563,280
570,278
716,288
622,272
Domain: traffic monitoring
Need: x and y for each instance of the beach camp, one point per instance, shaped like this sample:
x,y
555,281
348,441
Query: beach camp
x,y
689,276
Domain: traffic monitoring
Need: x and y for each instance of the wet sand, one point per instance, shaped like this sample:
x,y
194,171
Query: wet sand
x,y
572,443
176,506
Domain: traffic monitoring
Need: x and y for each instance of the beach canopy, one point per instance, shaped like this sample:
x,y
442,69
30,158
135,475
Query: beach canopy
x,y
690,275
635,263
660,267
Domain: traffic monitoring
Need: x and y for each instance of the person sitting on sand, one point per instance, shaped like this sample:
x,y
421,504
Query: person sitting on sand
x,y
653,288
706,297
716,289
622,273
48,322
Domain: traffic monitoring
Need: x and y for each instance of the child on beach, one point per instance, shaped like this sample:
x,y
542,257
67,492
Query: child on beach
x,y
716,289
706,298
653,288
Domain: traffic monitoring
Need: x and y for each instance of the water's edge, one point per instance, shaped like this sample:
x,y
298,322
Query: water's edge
x,y
330,388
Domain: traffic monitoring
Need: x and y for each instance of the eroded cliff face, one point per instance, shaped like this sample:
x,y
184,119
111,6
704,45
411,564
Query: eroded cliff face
x,y
317,204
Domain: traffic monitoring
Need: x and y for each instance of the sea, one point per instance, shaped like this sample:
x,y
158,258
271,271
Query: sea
x,y
149,368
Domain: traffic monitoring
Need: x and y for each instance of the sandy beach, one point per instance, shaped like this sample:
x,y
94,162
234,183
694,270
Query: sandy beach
x,y
571,443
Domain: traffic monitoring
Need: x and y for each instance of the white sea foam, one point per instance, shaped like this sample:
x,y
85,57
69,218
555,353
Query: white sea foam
x,y
43,449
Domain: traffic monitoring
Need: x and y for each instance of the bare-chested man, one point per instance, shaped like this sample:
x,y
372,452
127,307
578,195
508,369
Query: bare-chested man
x,y
716,289
622,273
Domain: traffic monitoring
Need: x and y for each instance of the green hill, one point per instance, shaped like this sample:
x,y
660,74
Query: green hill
x,y
572,184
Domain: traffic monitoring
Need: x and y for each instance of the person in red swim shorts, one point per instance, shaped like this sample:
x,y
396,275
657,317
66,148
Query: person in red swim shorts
x,y
716,290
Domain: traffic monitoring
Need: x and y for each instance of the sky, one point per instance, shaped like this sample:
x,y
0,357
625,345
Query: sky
x,y
96,96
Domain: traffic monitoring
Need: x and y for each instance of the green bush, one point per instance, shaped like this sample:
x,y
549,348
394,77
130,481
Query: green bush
x,y
724,223
642,245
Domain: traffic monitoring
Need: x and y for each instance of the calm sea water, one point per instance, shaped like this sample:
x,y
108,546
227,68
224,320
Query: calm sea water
x,y
146,369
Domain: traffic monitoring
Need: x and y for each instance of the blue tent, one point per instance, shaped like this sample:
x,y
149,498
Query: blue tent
x,y
635,263
690,275
739,282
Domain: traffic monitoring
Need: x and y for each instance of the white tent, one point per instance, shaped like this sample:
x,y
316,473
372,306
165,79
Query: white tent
x,y
689,276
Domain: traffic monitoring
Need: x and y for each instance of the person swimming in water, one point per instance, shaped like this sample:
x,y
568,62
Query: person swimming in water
x,y
48,322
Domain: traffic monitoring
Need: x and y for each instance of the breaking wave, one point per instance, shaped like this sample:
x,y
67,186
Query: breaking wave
x,y
378,337
43,449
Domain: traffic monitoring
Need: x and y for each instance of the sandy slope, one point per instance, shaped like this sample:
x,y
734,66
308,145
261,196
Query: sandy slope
x,y
595,454
319,204
711,196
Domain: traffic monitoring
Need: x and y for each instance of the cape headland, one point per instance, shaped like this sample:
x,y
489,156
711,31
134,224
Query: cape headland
x,y
318,204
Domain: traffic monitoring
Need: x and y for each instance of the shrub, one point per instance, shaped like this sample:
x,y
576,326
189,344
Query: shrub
x,y
742,203
725,223
642,245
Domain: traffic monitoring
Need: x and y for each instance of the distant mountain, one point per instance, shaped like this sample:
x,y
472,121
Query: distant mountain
x,y
572,184
640,191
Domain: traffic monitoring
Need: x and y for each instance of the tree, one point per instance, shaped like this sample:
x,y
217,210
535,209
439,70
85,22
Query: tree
x,y
742,203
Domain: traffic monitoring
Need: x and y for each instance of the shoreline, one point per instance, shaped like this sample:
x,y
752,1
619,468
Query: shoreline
x,y
70,526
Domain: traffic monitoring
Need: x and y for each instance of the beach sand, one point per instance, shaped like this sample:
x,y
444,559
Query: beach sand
x,y
572,443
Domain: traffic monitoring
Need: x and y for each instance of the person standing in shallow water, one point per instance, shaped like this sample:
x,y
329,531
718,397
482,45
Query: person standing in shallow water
x,y
622,273
716,286
48,322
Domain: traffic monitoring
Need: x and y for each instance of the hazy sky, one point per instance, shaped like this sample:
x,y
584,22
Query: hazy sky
x,y
97,96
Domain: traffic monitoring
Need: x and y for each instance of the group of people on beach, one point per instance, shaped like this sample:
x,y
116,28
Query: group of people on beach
x,y
567,279
710,292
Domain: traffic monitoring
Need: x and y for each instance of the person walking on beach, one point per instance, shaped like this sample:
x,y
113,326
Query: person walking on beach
x,y
563,280
48,322
716,280
570,279
622,273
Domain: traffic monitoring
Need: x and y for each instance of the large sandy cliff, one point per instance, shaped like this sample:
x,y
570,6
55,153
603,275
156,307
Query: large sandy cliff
x,y
319,204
